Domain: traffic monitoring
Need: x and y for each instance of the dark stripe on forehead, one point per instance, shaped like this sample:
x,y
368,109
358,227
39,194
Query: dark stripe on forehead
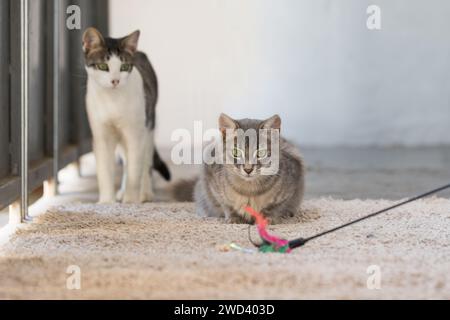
x,y
115,47
110,47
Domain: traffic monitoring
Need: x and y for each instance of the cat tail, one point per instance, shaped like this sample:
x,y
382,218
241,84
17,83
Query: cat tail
x,y
183,190
160,166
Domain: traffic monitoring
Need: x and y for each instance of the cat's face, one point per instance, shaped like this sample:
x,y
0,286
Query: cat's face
x,y
248,145
109,61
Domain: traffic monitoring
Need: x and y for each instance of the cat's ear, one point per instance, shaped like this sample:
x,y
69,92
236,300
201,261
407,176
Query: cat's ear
x,y
130,42
227,123
92,38
273,122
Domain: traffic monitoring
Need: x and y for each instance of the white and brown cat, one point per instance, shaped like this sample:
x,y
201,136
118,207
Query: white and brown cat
x,y
121,97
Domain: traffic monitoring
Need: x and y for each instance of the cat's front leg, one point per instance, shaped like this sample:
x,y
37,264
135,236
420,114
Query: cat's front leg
x,y
146,193
104,146
134,166
233,217
123,183
278,214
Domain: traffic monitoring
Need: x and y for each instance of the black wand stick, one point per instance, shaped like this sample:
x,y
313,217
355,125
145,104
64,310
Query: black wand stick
x,y
302,241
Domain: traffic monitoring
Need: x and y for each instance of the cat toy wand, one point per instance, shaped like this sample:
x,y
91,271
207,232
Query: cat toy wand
x,y
274,244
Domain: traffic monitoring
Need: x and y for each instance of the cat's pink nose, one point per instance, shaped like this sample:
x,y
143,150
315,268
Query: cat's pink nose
x,y
115,82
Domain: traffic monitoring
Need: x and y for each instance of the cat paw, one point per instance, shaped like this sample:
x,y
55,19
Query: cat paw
x,y
147,196
236,220
105,200
131,198
119,195
275,220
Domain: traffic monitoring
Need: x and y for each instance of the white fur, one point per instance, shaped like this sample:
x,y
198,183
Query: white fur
x,y
117,119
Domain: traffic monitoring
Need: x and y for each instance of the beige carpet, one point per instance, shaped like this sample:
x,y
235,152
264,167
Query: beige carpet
x,y
163,250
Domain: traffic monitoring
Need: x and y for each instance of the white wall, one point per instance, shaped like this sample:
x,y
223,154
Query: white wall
x,y
314,62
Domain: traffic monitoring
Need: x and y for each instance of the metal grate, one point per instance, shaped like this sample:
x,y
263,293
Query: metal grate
x,y
45,56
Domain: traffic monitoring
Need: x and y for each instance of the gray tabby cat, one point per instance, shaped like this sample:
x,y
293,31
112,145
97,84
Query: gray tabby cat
x,y
223,190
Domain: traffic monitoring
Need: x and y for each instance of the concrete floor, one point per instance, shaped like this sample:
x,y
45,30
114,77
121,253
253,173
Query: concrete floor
x,y
346,173
369,173
373,173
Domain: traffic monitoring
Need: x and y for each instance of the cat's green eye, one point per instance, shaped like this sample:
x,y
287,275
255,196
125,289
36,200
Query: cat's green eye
x,y
261,153
236,153
102,67
125,67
